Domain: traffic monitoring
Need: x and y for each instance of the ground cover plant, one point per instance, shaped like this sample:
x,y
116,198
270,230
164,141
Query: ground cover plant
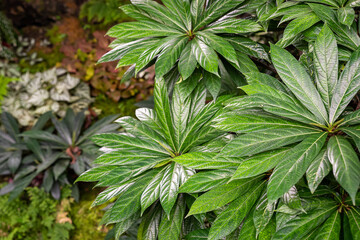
x,y
278,161
253,131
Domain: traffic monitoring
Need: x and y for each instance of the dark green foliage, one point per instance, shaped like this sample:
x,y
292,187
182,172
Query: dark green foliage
x,y
34,216
7,35
138,167
44,156
184,34
280,161
104,11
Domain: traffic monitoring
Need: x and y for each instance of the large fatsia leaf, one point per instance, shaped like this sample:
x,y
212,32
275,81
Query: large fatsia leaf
x,y
228,220
222,195
354,221
347,86
301,226
330,228
292,168
253,143
326,64
298,81
318,169
345,163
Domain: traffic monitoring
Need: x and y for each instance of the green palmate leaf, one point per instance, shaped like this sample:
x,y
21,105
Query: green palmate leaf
x,y
345,164
298,81
129,201
330,228
300,227
205,56
256,122
228,220
318,169
169,55
347,86
346,36
235,26
170,228
204,181
326,63
187,62
346,15
354,221
249,47
212,83
293,167
222,195
263,213
207,160
135,30
215,11
297,26
354,133
259,163
253,143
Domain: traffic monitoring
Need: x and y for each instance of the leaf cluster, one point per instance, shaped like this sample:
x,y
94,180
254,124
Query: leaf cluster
x,y
43,155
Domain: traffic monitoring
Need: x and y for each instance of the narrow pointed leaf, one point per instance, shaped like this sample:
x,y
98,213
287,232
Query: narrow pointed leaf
x,y
222,195
326,64
318,169
331,228
228,220
298,81
253,143
354,222
345,164
205,56
187,62
293,167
